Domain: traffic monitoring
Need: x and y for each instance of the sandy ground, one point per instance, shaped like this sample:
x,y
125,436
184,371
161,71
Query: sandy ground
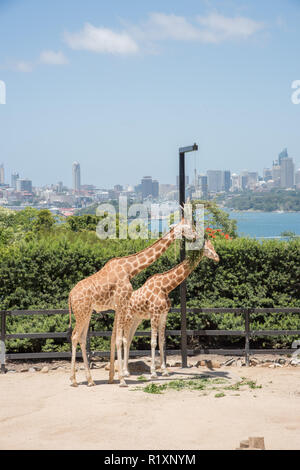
x,y
42,411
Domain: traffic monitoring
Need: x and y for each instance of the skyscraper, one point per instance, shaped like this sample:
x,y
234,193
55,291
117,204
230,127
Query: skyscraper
x,y
214,180
155,189
149,187
267,174
76,176
287,173
146,186
202,185
282,155
1,173
297,179
252,179
24,185
226,180
187,180
276,173
14,178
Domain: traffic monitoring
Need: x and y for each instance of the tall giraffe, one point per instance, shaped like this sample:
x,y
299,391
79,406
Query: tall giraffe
x,y
110,288
151,301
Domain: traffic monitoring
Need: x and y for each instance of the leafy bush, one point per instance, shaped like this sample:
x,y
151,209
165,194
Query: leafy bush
x,y
42,261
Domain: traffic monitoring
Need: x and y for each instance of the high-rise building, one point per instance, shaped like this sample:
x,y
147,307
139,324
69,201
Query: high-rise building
x,y
267,174
155,189
276,173
2,178
282,155
297,179
235,182
149,187
214,180
60,187
202,186
287,171
252,179
226,181
14,178
146,186
24,185
243,181
76,176
187,180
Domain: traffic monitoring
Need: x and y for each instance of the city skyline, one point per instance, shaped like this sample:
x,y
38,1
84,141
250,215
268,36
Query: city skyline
x,y
120,87
283,174
77,182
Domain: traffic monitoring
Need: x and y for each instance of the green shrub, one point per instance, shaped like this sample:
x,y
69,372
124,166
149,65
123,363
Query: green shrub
x,y
39,273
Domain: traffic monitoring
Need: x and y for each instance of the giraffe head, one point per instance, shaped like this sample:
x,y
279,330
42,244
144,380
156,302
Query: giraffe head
x,y
210,252
185,229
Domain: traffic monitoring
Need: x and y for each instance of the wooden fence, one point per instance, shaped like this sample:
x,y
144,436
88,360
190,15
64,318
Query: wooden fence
x,y
247,333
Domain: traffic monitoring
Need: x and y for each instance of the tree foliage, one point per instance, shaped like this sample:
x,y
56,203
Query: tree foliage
x,y
42,261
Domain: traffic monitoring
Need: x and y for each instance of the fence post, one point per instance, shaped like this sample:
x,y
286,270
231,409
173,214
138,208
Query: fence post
x,y
2,341
247,336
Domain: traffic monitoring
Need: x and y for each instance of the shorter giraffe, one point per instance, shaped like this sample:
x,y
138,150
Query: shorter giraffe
x,y
151,301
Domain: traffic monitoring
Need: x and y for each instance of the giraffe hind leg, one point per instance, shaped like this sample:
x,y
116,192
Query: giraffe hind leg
x,y
75,339
153,374
82,341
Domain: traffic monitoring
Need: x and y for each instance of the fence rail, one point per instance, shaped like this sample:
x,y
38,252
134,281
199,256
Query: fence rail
x,y
246,333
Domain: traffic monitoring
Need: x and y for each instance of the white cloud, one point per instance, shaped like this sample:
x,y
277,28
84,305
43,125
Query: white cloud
x,y
162,26
22,66
53,58
222,27
101,40
213,28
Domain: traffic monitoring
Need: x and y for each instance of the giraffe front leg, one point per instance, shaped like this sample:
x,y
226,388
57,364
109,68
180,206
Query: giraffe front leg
x,y
128,335
126,346
162,328
153,346
126,355
119,343
120,369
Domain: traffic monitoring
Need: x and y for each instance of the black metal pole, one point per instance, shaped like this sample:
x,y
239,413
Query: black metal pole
x,y
182,257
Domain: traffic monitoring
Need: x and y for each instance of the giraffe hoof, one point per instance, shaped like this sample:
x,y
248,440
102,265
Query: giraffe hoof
x,y
165,373
91,384
153,375
123,384
74,384
126,373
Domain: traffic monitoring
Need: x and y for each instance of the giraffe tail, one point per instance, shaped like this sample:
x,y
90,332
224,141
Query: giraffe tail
x,y
69,330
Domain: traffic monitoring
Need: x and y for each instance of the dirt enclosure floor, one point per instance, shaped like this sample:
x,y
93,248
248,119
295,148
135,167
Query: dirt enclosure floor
x,y
42,411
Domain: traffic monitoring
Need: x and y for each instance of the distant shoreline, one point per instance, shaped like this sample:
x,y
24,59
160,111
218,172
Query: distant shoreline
x,y
259,211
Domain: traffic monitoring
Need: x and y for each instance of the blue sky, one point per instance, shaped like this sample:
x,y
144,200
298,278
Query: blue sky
x,y
120,85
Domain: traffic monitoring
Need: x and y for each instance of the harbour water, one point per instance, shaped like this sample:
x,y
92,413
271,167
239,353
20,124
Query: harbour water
x,y
266,224
261,225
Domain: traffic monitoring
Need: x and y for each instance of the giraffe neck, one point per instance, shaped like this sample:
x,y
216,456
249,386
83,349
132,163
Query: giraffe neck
x,y
180,272
137,262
